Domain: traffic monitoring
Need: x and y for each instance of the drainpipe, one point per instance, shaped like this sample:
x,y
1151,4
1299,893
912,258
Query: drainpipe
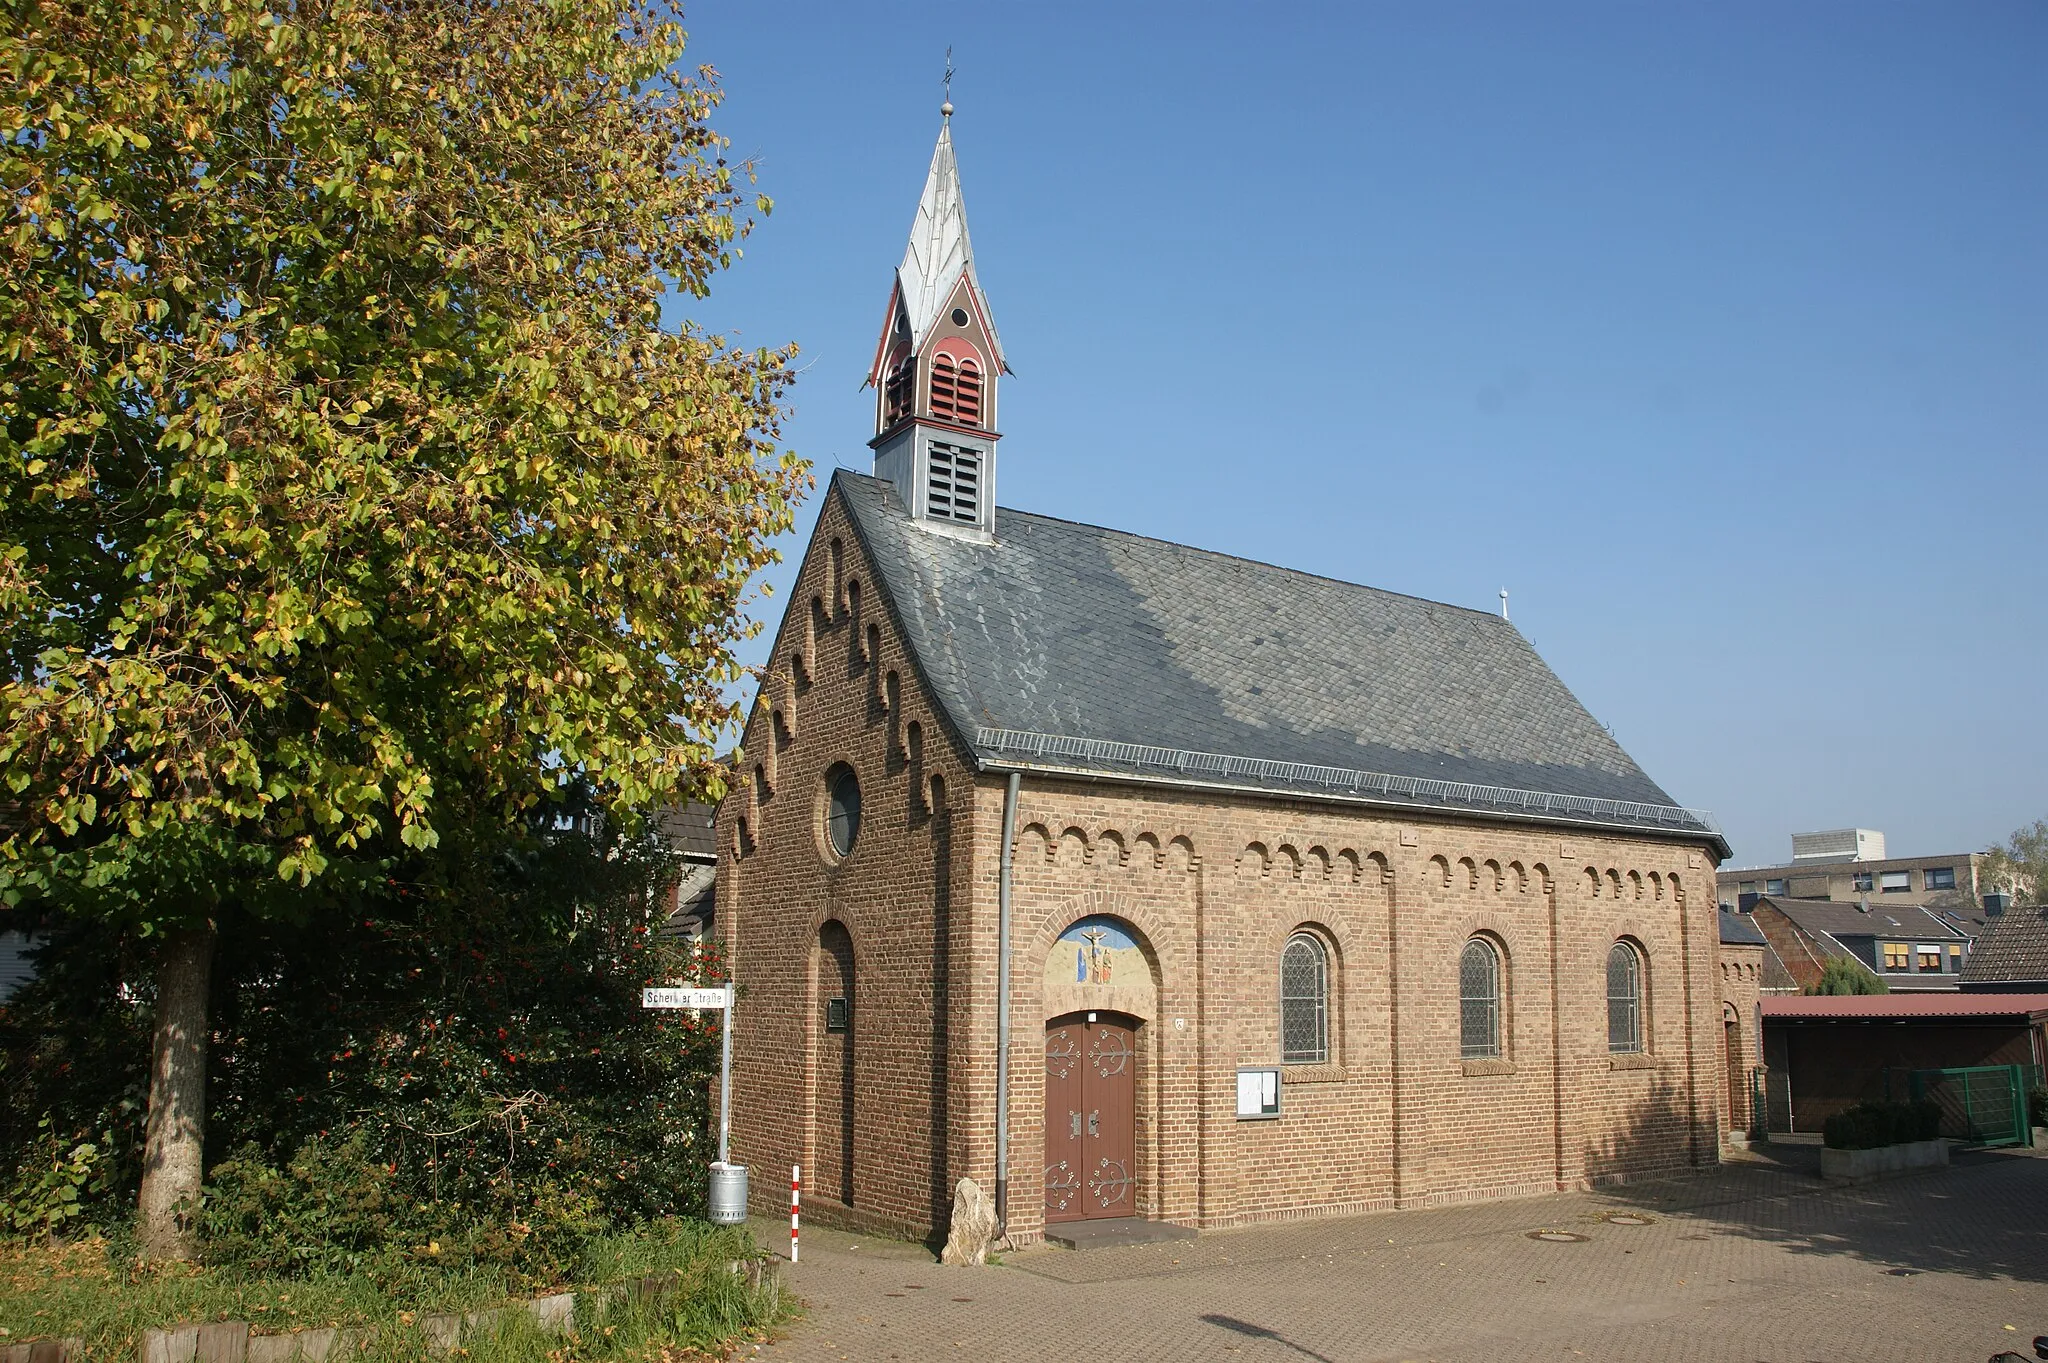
x,y
1003,1010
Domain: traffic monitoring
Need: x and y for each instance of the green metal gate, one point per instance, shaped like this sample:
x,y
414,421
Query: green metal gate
x,y
1981,1104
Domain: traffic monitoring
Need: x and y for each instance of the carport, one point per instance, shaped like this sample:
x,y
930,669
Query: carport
x,y
1826,1052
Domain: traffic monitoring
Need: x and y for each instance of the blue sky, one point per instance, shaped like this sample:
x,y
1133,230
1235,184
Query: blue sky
x,y
1717,334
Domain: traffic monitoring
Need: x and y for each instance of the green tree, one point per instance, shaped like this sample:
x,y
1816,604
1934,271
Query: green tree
x,y
1847,975
351,489
2018,866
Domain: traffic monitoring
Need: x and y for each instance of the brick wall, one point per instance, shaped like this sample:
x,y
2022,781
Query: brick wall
x,y
1212,885
1741,970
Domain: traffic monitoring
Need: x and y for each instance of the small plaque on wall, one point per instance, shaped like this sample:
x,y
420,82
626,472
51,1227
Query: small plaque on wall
x,y
1258,1094
839,1015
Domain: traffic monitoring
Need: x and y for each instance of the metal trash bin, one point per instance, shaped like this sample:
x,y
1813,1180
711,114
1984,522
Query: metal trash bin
x,y
728,1193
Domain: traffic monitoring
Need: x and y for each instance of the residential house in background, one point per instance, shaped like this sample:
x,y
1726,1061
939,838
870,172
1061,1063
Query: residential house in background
x,y
1845,865
1739,930
1909,947
688,831
2012,955
16,969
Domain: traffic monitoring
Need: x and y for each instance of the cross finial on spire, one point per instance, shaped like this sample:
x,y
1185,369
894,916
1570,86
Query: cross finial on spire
x,y
946,109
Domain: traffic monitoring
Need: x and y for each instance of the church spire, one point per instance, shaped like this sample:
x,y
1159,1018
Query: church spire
x,y
937,362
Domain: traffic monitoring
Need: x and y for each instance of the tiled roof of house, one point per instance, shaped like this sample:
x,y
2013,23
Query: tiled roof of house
x,y
2015,947
1903,921
687,828
1070,647
1776,979
1740,929
1970,922
1903,1006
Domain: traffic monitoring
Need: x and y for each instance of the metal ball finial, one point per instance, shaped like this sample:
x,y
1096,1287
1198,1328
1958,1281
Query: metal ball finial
x,y
946,109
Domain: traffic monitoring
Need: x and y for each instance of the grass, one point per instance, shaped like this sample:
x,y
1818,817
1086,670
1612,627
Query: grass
x,y
91,1289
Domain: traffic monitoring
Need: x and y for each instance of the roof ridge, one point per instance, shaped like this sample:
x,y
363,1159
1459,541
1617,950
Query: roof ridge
x,y
1228,556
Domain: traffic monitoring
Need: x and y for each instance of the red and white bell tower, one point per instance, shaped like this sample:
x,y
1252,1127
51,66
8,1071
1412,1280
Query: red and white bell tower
x,y
936,366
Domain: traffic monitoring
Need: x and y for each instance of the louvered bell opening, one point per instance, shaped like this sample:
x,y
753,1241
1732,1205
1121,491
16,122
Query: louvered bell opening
x,y
967,400
953,484
945,394
896,395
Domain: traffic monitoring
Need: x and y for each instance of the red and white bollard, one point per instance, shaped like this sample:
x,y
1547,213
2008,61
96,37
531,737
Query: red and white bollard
x,y
796,1197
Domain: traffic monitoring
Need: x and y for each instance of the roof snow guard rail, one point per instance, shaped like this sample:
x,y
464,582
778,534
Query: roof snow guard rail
x,y
1359,783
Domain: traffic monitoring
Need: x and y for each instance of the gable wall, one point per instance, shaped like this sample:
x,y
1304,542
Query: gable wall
x,y
896,894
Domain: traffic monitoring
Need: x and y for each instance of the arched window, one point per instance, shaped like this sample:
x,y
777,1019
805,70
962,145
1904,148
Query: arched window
x,y
967,399
945,393
1304,1001
1624,998
1479,1001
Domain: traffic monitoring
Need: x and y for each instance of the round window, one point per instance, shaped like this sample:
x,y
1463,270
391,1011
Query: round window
x,y
959,317
842,809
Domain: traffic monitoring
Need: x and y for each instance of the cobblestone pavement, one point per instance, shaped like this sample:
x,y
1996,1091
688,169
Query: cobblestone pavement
x,y
1755,1261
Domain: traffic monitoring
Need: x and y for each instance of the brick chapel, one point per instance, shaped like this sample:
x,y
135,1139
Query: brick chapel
x,y
1133,880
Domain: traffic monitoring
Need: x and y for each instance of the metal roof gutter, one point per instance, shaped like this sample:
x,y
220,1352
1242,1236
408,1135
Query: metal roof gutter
x,y
998,763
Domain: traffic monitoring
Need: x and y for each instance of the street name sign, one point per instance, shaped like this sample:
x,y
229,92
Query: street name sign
x,y
683,998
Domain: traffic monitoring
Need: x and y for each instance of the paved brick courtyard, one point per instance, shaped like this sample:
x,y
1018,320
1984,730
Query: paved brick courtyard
x,y
1756,1261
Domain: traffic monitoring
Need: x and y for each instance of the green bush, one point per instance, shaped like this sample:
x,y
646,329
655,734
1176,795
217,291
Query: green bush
x,y
53,1184
1871,1126
1847,975
336,1208
451,1070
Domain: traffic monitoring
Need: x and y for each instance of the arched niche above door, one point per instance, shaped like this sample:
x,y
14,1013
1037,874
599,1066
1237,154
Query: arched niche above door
x,y
1100,963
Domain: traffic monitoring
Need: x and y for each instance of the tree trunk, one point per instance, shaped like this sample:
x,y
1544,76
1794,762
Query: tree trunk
x,y
175,1132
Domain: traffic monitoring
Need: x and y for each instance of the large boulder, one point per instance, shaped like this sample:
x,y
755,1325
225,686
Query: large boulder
x,y
974,1225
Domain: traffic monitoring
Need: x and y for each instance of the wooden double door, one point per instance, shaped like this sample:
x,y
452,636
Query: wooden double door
x,y
1091,1111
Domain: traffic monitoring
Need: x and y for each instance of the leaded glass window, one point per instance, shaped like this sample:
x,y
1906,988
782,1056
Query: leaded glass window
x,y
1304,1002
1479,1001
1624,998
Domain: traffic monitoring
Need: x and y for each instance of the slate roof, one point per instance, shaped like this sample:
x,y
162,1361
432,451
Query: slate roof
x,y
1740,929
2014,947
1906,922
1074,648
687,828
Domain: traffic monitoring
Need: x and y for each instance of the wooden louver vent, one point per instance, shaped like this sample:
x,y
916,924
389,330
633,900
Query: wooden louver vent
x,y
967,393
897,390
956,390
945,388
953,484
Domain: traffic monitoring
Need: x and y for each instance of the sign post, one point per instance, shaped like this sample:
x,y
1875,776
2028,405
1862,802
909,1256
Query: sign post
x,y
728,1201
